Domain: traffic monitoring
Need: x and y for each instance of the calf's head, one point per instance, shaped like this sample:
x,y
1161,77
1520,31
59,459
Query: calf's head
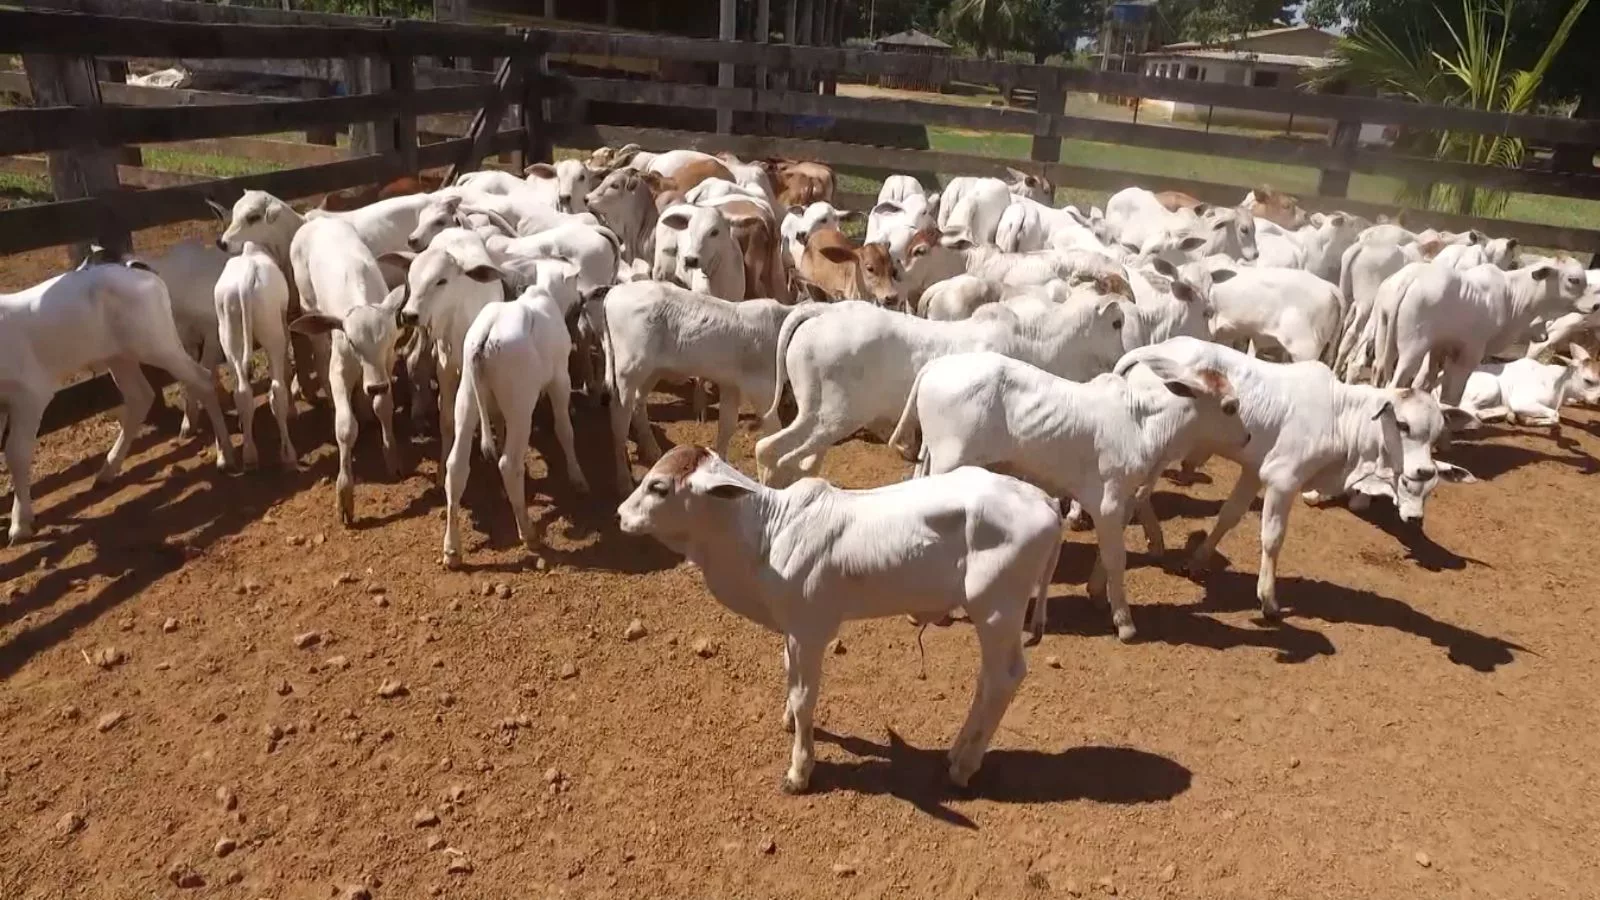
x,y
1034,187
371,331
679,493
440,276
257,216
441,212
573,182
1412,422
703,238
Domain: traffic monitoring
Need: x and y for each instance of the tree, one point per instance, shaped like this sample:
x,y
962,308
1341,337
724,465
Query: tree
x,y
1211,20
1051,27
1477,75
985,24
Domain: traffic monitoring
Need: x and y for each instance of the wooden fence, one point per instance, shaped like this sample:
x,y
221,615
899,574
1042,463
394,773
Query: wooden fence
x,y
82,122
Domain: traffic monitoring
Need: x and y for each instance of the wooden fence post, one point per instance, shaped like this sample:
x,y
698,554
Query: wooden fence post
x,y
1336,182
727,30
1049,104
369,75
83,171
535,65
403,82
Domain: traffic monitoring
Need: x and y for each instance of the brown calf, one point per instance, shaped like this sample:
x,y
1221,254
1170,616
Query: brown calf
x,y
758,243
1176,200
837,269
1276,207
800,183
368,194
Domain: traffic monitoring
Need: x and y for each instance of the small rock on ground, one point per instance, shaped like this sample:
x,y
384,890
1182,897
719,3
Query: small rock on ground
x,y
337,662
425,818
836,647
225,846
71,823
705,648
390,689
634,631
568,671
227,799
503,591
307,640
110,720
436,842
1423,860
184,876
843,870
1053,662
1168,873
169,626
769,846
459,865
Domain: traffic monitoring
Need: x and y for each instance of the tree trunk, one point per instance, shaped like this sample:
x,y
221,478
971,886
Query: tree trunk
x,y
1578,158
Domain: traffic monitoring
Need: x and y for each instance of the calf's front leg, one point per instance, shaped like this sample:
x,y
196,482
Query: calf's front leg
x,y
805,665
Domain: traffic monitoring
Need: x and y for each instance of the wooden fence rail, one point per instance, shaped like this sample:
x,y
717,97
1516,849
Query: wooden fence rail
x,y
80,29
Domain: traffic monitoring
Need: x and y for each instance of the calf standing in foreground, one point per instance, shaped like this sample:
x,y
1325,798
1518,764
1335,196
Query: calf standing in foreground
x,y
513,352
252,303
1307,430
1100,443
104,317
344,296
802,561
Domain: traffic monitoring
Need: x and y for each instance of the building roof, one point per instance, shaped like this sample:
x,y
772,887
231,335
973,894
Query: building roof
x,y
1271,59
913,38
1249,35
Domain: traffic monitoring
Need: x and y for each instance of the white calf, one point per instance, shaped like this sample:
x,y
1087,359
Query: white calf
x,y
837,395
343,294
1307,430
1100,443
251,303
1287,308
1529,392
110,317
514,352
655,331
804,560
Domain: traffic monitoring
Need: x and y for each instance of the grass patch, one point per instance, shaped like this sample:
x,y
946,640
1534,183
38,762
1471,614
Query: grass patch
x,y
206,164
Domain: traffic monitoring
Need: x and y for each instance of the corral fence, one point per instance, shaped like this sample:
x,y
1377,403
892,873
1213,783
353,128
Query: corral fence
x,y
84,124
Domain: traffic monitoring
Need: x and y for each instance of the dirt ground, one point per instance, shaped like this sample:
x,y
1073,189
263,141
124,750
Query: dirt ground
x,y
1424,724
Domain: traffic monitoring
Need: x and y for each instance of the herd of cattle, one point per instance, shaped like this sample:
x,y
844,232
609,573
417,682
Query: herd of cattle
x,y
980,329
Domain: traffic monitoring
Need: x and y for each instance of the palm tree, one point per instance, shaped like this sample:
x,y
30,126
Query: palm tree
x,y
988,24
1473,77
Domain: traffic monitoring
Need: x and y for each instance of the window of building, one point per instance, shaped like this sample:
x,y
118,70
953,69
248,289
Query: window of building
x,y
1193,74
1265,79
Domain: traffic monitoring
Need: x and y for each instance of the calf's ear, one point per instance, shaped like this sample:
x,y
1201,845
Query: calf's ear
x,y
1387,407
1454,474
316,323
1458,419
716,484
835,254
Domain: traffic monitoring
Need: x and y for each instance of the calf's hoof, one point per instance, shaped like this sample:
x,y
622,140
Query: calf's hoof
x,y
1126,633
452,560
1271,612
19,533
961,773
794,785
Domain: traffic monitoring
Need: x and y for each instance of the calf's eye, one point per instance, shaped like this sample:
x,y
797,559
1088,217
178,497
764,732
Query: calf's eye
x,y
659,488
1405,428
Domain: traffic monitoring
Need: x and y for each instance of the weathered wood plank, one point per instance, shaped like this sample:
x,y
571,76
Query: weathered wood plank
x,y
137,95
48,225
76,170
58,127
485,123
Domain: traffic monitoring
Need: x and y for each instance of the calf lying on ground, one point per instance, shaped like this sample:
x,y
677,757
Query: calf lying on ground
x,y
804,560
1529,392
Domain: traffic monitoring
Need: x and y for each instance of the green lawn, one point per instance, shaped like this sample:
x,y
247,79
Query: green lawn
x,y
1560,211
